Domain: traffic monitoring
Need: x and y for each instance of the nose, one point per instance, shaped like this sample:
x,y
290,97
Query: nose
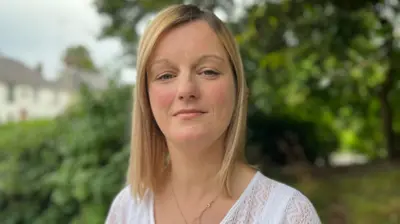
x,y
188,88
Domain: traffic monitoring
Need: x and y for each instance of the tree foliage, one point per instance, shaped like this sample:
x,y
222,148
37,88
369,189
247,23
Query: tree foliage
x,y
330,67
331,61
126,15
78,57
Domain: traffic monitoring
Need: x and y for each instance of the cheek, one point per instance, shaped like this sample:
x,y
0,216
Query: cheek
x,y
224,97
161,98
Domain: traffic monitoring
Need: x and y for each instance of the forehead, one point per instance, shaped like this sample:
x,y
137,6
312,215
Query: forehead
x,y
188,41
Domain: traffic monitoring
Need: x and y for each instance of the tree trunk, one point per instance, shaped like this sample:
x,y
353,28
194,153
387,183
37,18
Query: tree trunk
x,y
385,88
386,109
387,116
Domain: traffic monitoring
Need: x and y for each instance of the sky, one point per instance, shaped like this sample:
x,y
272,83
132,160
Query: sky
x,y
39,31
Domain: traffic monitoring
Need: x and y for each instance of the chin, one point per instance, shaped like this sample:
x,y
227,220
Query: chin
x,y
191,135
184,137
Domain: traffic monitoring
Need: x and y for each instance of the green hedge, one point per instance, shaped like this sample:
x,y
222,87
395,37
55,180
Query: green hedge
x,y
66,170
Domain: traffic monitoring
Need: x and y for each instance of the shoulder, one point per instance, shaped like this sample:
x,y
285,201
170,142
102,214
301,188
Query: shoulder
x,y
123,207
300,209
286,204
118,209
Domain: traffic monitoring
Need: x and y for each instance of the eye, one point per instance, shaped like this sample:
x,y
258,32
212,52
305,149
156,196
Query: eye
x,y
210,73
165,76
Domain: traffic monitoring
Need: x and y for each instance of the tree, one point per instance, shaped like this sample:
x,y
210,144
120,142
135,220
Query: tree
x,y
79,57
319,61
125,15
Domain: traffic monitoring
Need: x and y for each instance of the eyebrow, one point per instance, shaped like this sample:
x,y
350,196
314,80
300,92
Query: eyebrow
x,y
207,56
198,61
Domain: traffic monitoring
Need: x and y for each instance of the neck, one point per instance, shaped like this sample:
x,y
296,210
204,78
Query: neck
x,y
194,170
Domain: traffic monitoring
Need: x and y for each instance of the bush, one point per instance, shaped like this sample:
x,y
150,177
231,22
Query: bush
x,y
69,169
281,139
27,156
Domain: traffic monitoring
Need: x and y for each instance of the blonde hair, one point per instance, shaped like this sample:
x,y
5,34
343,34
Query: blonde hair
x,y
148,146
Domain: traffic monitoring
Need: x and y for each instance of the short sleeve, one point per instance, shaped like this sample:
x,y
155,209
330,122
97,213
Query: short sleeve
x,y
300,210
117,213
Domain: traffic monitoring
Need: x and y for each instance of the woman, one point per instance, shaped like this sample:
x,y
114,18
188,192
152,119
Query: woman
x,y
189,119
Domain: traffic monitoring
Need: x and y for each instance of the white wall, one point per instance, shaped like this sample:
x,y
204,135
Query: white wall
x,y
43,102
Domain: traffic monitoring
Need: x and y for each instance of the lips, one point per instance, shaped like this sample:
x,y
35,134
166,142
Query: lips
x,y
189,113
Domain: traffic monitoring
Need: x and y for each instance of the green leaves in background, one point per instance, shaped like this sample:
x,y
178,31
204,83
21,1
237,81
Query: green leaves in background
x,y
66,170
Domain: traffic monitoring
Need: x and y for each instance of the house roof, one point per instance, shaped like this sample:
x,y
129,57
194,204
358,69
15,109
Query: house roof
x,y
15,72
12,71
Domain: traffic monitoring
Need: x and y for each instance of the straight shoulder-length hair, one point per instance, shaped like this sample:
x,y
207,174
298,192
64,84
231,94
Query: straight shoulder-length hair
x,y
149,152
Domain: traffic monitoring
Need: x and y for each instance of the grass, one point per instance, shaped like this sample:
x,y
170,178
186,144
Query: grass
x,y
367,195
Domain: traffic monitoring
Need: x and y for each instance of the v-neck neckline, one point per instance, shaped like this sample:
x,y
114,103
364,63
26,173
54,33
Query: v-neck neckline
x,y
231,211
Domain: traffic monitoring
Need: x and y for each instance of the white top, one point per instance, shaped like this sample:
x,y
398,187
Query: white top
x,y
263,201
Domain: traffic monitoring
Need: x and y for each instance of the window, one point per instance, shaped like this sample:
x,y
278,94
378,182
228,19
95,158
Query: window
x,y
35,94
11,92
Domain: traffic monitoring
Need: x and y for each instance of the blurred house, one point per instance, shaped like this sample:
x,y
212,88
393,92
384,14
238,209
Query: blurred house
x,y
25,93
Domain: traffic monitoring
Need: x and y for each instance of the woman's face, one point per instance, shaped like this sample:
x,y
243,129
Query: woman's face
x,y
191,85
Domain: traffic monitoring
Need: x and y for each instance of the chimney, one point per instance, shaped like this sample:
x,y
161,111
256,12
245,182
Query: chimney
x,y
39,68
